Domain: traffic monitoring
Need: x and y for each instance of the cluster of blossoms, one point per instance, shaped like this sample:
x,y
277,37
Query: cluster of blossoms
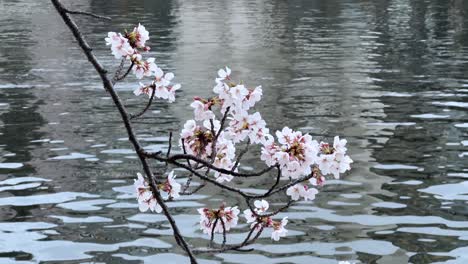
x,y
145,197
334,160
213,220
257,220
297,156
198,141
129,46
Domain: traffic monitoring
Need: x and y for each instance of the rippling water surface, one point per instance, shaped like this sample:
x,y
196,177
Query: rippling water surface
x,y
390,76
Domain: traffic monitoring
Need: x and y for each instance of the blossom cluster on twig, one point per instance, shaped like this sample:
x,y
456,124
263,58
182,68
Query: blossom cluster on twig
x,y
295,157
210,143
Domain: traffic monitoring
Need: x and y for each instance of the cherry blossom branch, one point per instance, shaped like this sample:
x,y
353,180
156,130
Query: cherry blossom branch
x,y
173,159
238,247
73,12
296,156
108,85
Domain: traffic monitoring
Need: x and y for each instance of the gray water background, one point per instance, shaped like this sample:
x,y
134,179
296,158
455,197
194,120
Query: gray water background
x,y
391,76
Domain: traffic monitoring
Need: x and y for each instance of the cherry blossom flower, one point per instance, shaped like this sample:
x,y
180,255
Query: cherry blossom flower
x,y
295,191
197,140
261,206
278,229
243,125
295,154
230,217
339,144
223,74
225,155
142,188
201,110
334,160
171,186
171,92
269,150
150,204
162,82
238,92
249,216
143,89
140,35
235,96
119,45
300,190
211,217
309,193
146,200
318,180
143,68
252,97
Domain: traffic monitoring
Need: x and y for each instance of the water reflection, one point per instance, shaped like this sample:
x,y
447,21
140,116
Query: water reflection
x,y
388,75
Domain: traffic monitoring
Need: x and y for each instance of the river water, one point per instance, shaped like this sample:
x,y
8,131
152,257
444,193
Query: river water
x,y
389,75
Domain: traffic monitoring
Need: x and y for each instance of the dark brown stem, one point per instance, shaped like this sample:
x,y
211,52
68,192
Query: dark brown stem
x,y
118,71
241,154
237,247
86,14
175,157
150,101
213,231
170,144
119,78
278,178
224,231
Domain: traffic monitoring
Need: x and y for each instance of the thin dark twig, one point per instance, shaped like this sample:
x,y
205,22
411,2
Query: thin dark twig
x,y
185,152
73,12
217,133
250,234
239,157
213,231
118,71
150,101
176,157
196,189
213,144
119,78
223,121
236,247
278,177
187,183
224,231
170,144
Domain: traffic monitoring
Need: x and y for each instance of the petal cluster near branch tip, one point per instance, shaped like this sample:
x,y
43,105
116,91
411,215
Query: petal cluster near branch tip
x,y
214,140
129,46
258,221
213,220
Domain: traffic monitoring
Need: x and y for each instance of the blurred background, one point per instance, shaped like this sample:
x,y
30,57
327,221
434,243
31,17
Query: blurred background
x,y
388,75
